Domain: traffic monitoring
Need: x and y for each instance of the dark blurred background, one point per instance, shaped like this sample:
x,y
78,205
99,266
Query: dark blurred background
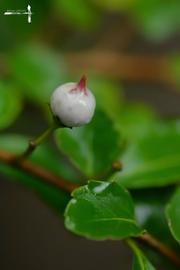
x,y
133,44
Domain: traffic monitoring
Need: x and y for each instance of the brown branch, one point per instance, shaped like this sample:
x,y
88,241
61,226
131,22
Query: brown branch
x,y
128,67
151,68
52,179
37,171
155,244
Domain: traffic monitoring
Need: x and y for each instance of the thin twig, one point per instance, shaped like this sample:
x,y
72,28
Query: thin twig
x,y
37,171
155,244
54,180
34,143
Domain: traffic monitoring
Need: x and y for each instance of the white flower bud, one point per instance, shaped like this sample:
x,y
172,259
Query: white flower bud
x,y
73,103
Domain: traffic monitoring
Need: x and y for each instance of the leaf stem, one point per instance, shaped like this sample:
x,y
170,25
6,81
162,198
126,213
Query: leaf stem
x,y
33,144
131,243
162,248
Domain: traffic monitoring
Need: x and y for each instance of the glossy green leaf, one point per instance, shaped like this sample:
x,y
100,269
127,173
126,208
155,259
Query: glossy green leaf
x,y
44,155
153,159
140,262
38,71
173,215
10,104
157,19
100,211
77,13
91,148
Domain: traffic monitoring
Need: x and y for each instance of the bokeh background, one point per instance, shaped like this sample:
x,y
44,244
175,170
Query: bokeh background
x,y
130,47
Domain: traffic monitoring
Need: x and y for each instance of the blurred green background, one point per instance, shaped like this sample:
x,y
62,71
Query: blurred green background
x,y
130,53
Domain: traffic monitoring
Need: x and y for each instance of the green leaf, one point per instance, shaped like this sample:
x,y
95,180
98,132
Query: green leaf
x,y
38,71
10,104
100,211
77,13
153,159
150,212
91,148
173,215
44,155
157,19
140,261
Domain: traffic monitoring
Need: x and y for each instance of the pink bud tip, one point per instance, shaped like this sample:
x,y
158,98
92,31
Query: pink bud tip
x,y
82,83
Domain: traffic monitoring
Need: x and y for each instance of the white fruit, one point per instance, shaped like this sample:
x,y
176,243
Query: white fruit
x,y
73,103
